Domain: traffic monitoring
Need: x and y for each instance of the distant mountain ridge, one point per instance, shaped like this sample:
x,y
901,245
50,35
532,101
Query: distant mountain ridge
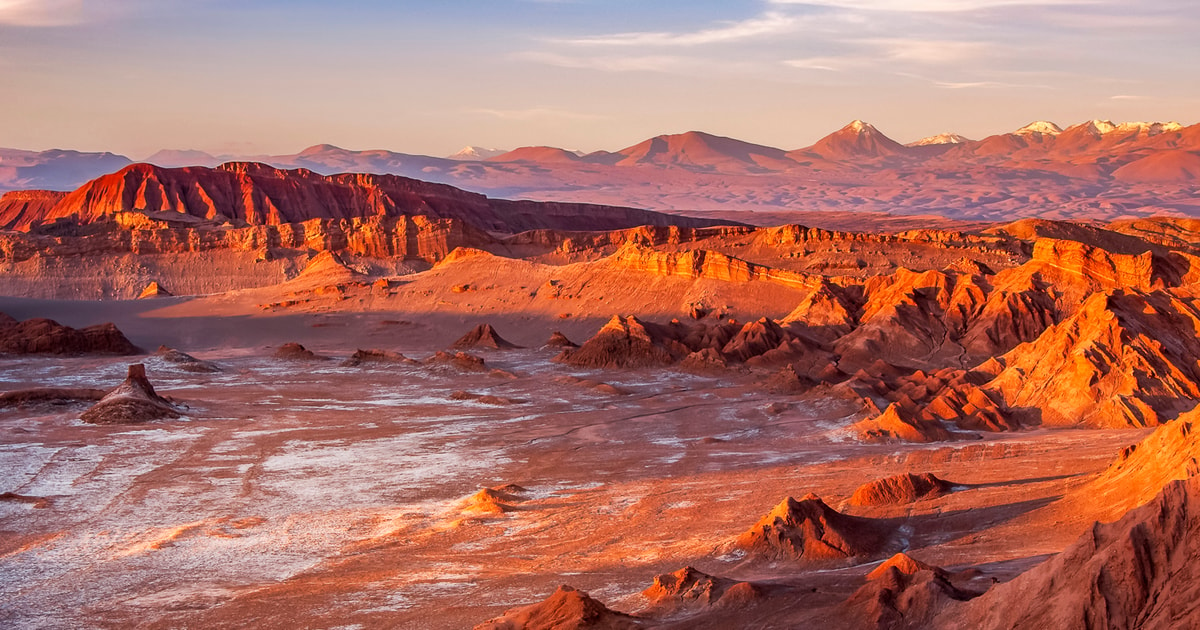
x,y
1096,169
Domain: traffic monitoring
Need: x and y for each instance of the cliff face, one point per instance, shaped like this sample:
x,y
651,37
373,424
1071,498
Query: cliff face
x,y
415,237
245,193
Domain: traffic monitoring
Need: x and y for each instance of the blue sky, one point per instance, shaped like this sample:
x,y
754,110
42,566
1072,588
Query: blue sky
x,y
258,76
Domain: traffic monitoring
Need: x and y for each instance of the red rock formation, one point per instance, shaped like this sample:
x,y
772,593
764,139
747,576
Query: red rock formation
x,y
483,336
45,336
900,490
812,532
566,609
1170,453
1142,571
21,207
133,401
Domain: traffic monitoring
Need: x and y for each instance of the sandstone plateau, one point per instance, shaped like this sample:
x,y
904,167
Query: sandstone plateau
x,y
398,404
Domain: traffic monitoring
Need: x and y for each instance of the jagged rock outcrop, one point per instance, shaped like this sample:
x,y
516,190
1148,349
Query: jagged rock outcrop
x,y
566,609
900,490
153,290
627,343
1142,571
690,590
755,339
1125,359
46,336
810,531
483,336
133,401
902,593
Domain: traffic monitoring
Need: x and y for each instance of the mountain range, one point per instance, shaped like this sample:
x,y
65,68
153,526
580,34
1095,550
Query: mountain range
x,y
1096,169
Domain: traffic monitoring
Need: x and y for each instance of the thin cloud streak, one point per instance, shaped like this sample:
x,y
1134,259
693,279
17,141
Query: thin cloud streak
x,y
932,6
770,23
608,63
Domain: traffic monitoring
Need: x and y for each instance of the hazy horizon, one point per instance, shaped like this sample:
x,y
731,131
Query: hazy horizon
x,y
267,77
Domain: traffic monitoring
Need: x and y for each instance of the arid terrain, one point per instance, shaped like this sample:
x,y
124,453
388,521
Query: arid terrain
x,y
367,401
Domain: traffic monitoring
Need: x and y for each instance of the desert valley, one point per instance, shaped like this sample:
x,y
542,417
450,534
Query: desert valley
x,y
754,315
248,396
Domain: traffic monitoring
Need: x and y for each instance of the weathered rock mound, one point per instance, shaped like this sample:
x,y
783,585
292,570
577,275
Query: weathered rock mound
x,y
559,340
566,609
900,490
483,336
691,590
293,351
184,361
626,343
377,357
902,593
46,336
133,401
812,532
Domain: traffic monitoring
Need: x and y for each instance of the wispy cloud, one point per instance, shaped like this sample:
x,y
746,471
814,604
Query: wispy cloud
x,y
769,23
41,12
931,6
1128,97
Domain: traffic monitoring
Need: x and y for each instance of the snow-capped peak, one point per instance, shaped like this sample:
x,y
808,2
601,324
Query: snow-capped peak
x,y
1101,126
1149,128
476,153
1042,126
941,138
858,126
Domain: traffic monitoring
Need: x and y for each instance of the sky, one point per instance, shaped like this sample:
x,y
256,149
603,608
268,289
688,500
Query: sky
x,y
246,77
